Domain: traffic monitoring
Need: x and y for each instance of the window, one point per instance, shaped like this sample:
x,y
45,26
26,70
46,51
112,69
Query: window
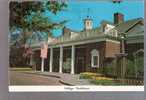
x,y
114,33
94,58
88,23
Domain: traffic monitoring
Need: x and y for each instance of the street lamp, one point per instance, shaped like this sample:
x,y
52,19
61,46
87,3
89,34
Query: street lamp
x,y
123,56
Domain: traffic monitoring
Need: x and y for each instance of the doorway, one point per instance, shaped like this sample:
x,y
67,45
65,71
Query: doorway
x,y
80,65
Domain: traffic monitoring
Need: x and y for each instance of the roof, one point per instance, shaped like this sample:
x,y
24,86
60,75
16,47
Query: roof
x,y
106,22
132,28
127,25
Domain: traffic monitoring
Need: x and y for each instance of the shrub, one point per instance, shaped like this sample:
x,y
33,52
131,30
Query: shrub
x,y
87,75
110,68
106,82
135,67
66,65
103,82
130,70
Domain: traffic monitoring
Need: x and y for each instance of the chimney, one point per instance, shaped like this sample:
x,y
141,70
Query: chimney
x,y
66,31
118,18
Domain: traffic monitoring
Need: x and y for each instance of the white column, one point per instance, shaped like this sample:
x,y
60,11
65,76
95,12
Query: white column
x,y
51,59
72,59
31,60
61,59
42,65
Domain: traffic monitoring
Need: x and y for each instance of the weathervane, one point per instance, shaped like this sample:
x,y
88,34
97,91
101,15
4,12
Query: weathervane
x,y
88,12
117,1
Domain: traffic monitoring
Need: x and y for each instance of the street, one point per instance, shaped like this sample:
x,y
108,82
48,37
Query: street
x,y
21,78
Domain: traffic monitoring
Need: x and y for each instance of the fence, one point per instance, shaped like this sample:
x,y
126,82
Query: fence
x,y
131,81
131,72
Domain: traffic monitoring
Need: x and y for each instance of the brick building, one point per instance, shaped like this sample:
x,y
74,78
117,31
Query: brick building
x,y
91,48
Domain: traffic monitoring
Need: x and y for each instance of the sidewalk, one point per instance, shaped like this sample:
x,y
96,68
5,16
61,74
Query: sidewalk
x,y
65,78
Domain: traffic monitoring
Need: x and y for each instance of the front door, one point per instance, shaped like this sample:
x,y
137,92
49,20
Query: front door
x,y
80,64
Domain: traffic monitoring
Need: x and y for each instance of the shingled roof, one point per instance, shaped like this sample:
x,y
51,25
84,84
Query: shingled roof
x,y
127,25
130,27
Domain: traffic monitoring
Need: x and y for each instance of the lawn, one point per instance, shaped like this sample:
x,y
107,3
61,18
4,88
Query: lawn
x,y
21,69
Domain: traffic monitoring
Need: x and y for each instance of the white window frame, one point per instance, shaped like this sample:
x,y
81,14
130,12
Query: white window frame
x,y
94,53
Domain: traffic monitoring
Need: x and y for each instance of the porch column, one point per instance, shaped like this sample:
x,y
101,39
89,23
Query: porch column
x,y
31,60
42,64
51,58
72,59
61,59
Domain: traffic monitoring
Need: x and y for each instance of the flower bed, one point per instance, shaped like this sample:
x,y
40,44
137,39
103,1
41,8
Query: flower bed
x,y
99,79
87,75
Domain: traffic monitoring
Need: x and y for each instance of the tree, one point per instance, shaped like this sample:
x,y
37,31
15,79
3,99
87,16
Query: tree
x,y
27,18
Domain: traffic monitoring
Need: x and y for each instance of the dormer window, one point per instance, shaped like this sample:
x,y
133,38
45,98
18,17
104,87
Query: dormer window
x,y
113,33
107,28
95,58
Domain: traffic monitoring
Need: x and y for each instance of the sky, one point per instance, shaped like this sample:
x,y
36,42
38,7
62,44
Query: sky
x,y
76,12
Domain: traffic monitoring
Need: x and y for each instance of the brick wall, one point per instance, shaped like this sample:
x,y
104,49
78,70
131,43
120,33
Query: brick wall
x,y
111,49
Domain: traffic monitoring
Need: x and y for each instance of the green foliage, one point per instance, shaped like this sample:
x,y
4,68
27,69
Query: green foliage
x,y
54,6
67,65
100,70
103,82
29,17
21,13
98,79
135,66
130,68
109,69
83,76
22,68
140,65
107,82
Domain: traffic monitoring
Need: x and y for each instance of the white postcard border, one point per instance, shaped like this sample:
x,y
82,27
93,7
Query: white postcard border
x,y
74,88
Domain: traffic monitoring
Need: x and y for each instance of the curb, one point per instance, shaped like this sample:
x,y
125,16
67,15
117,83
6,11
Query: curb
x,y
43,74
62,82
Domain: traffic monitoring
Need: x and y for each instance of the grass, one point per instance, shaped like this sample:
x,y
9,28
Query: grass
x,y
21,69
102,82
107,82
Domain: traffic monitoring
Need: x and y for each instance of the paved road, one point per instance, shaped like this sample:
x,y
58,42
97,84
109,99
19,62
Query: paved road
x,y
20,78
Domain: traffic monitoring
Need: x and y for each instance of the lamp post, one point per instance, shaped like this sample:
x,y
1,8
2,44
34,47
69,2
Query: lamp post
x,y
123,55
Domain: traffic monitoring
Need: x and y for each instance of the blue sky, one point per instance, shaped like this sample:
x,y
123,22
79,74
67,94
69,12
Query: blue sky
x,y
76,12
